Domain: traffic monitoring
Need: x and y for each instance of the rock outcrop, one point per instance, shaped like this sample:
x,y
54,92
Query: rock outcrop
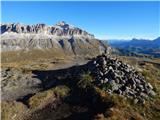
x,y
114,76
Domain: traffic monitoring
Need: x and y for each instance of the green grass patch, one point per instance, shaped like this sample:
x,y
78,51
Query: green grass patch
x,y
41,99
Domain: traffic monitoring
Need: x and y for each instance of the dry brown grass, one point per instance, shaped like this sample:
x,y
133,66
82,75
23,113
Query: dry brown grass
x,y
123,109
13,110
34,55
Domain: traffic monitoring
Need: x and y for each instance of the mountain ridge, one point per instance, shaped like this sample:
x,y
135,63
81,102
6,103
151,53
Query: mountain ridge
x,y
61,38
59,29
140,46
138,42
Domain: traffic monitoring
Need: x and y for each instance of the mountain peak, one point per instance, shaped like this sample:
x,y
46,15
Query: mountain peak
x,y
64,25
61,23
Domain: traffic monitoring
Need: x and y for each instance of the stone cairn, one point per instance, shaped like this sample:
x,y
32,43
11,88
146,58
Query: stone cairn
x,y
114,76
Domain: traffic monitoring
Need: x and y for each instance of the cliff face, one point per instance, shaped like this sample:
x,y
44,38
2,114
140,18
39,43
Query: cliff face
x,y
61,37
60,29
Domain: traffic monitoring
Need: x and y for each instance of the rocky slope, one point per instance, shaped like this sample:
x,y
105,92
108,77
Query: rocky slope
x,y
61,37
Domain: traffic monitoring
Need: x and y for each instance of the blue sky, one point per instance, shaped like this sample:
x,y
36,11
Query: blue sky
x,y
106,20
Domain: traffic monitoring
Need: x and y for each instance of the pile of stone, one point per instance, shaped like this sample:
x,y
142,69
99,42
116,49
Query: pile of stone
x,y
114,76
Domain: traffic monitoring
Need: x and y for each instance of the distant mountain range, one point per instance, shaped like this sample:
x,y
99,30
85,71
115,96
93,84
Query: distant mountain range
x,y
61,37
136,42
137,46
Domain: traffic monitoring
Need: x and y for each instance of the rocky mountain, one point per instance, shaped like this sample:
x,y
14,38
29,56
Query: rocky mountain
x,y
61,37
61,28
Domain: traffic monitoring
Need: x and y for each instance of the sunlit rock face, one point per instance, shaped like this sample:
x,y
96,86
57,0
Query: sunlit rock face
x,y
61,28
61,37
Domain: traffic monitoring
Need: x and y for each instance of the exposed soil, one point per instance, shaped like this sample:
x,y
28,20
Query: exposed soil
x,y
20,82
